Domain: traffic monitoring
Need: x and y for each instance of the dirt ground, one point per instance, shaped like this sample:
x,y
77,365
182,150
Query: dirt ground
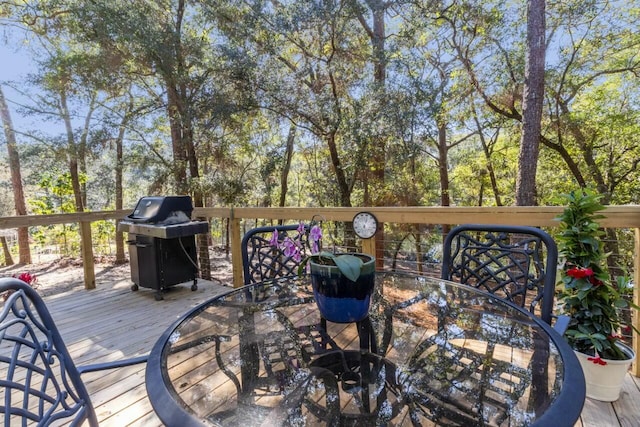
x,y
57,275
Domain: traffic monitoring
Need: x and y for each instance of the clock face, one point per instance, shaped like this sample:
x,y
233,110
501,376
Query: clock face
x,y
365,225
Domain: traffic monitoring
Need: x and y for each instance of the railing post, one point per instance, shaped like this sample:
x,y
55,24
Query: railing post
x,y
369,246
236,252
87,255
635,316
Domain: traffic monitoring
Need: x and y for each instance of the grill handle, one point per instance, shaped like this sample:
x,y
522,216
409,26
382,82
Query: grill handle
x,y
137,244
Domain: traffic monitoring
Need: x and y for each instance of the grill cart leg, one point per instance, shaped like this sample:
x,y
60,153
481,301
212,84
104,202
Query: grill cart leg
x,y
194,287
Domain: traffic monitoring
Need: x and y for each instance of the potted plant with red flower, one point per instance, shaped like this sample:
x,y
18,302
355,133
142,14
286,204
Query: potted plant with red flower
x,y
590,298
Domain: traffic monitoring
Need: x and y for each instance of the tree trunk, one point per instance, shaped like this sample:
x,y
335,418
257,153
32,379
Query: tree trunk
x,y
72,153
177,141
16,181
533,98
487,154
419,254
8,260
82,149
445,198
343,186
443,167
85,228
198,198
284,186
379,76
192,163
376,178
587,152
120,256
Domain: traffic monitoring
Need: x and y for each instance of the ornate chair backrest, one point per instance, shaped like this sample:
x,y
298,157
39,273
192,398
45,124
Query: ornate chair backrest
x,y
516,263
262,261
39,381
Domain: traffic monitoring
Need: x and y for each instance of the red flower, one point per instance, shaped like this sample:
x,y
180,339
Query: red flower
x,y
27,278
595,282
579,273
597,360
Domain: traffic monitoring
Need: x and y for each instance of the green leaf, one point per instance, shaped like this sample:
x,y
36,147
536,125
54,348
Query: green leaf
x,y
620,303
583,285
349,266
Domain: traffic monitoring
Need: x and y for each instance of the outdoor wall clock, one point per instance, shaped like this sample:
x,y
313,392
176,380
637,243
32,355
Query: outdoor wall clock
x,y
365,225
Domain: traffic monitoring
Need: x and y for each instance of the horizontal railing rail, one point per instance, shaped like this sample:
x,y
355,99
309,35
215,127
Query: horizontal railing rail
x,y
616,217
627,216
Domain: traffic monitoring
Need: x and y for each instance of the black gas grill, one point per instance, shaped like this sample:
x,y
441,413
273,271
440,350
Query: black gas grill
x,y
162,247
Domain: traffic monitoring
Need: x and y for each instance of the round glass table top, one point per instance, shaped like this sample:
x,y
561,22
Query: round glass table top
x,y
431,352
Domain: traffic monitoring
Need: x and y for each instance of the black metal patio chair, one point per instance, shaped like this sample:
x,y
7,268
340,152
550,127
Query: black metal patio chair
x,y
262,261
516,263
39,381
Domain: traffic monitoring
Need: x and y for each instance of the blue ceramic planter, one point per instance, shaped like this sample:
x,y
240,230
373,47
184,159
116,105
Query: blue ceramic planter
x,y
339,299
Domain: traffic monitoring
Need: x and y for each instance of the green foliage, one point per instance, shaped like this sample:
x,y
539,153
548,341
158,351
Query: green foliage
x,y
102,233
56,194
588,297
580,233
246,70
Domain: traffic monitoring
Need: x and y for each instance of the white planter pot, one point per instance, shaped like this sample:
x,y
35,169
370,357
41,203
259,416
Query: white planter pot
x,y
605,381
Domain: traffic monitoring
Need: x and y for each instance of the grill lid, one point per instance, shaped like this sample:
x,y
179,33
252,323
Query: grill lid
x,y
155,209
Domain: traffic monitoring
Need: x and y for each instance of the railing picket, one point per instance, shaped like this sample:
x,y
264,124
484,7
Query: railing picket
x,y
635,367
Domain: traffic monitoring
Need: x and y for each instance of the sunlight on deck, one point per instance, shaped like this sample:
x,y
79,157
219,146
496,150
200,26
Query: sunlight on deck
x,y
112,322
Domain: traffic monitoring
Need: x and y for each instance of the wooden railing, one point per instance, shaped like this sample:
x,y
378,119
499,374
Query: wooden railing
x,y
618,217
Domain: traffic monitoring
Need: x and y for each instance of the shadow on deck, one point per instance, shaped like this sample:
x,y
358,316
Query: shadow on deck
x,y
113,322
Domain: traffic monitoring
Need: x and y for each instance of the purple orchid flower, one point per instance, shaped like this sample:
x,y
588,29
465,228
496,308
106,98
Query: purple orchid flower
x,y
291,249
315,234
274,239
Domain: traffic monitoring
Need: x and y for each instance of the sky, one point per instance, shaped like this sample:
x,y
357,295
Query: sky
x,y
14,66
14,62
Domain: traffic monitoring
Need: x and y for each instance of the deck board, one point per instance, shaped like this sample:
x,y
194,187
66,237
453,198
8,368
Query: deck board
x,y
627,407
112,322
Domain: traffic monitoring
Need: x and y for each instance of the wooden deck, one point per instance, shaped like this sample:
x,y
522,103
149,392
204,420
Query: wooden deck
x,y
112,322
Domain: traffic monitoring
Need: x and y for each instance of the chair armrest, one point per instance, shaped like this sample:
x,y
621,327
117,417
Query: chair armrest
x,y
561,324
112,365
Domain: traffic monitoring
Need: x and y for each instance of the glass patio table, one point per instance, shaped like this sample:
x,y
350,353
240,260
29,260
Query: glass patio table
x,y
431,352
